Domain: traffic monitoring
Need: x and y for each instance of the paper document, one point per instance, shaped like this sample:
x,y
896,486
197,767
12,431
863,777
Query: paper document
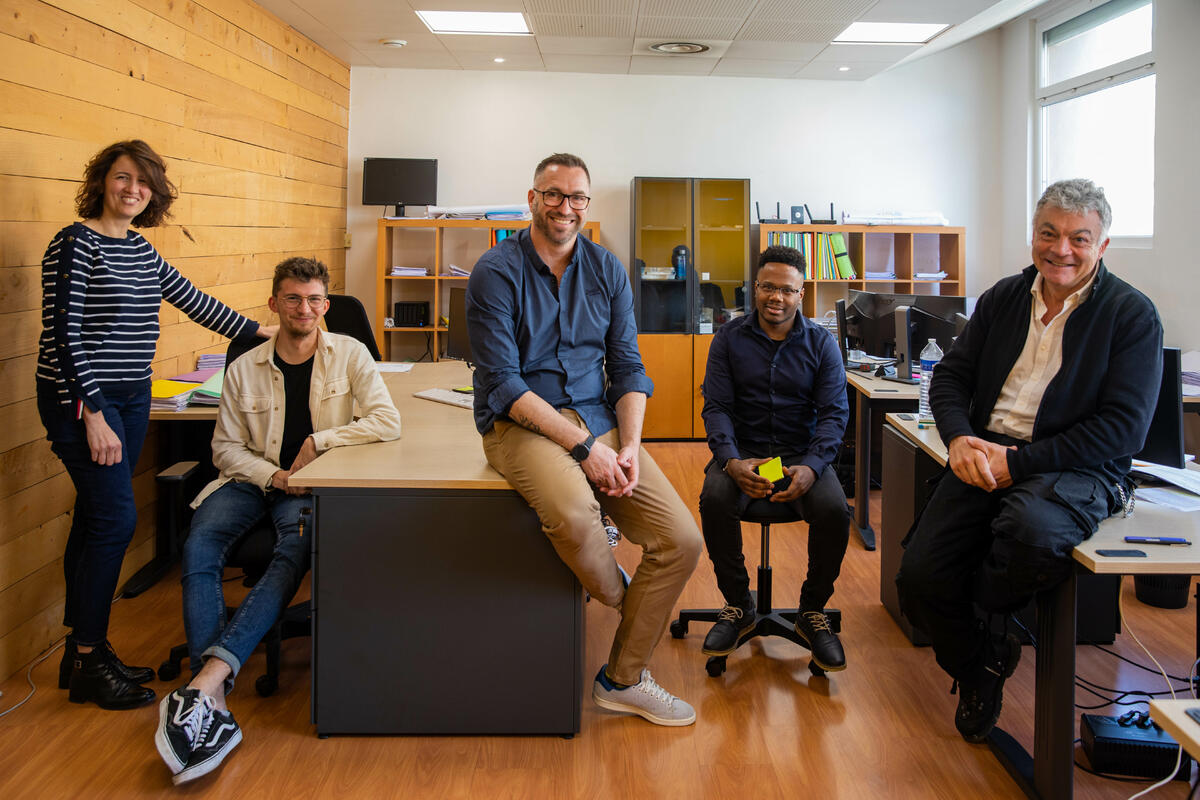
x,y
394,366
1183,478
1171,498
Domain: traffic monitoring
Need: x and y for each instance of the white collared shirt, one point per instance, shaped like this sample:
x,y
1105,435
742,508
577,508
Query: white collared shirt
x,y
1017,406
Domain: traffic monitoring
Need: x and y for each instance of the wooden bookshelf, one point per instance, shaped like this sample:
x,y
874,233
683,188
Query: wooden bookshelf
x,y
434,245
903,250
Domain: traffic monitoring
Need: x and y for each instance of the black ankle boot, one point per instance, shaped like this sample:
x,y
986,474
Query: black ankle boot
x,y
131,674
94,678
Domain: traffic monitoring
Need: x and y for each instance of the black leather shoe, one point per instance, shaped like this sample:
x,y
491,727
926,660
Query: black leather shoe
x,y
131,674
979,701
95,679
722,638
813,627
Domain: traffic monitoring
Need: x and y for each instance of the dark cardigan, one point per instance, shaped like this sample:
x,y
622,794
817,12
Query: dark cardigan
x,y
1095,411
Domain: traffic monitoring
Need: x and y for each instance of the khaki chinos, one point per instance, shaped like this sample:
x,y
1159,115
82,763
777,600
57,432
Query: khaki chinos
x,y
569,507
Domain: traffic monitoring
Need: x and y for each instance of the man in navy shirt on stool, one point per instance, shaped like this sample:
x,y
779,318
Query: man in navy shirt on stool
x,y
775,386
560,392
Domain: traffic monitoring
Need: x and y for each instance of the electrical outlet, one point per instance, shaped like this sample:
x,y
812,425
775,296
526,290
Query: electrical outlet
x,y
347,241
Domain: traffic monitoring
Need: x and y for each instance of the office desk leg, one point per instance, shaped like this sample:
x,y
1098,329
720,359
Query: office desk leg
x,y
862,470
1050,772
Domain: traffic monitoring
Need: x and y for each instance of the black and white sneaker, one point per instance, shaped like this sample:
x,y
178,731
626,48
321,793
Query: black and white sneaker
x,y
218,737
181,716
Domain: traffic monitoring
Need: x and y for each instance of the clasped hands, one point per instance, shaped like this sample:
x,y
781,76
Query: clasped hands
x,y
980,463
745,475
308,451
613,472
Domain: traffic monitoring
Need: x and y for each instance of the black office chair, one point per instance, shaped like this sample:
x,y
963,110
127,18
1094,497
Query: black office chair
x,y
347,315
252,554
770,621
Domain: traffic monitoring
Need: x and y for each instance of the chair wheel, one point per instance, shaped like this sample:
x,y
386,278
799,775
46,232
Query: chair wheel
x,y
265,685
815,670
168,671
679,629
715,666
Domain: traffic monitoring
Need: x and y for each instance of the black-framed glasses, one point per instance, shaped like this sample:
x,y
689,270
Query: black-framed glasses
x,y
553,198
770,289
294,300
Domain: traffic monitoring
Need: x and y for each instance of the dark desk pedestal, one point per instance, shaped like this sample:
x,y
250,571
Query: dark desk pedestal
x,y
907,470
441,612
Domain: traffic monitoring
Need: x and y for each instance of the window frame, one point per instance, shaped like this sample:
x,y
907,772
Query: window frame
x,y
1106,77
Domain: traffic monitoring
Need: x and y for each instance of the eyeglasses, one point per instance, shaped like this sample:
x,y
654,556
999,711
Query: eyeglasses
x,y
553,198
294,300
770,289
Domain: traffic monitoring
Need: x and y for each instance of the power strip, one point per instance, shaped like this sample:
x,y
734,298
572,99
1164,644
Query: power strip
x,y
1139,748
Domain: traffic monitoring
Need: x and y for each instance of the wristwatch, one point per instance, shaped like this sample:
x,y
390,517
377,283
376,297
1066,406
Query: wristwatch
x,y
581,451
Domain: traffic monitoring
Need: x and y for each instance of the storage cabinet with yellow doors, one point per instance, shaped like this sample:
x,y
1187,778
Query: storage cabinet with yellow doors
x,y
690,267
432,255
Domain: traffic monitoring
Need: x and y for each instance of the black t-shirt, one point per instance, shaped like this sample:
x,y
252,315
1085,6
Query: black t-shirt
x,y
297,419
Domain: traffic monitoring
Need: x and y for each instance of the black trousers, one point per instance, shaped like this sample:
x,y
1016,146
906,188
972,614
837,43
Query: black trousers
x,y
823,507
996,549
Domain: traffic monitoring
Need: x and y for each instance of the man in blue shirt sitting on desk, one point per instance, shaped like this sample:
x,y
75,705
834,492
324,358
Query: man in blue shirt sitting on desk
x,y
775,386
1041,402
560,392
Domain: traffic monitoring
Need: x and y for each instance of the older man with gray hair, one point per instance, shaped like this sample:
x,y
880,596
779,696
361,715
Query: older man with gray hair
x,y
1041,401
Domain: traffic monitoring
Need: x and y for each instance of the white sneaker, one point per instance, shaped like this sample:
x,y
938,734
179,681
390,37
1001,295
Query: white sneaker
x,y
646,699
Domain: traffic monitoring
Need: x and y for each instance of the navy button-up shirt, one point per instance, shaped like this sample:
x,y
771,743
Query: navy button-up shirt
x,y
574,343
764,398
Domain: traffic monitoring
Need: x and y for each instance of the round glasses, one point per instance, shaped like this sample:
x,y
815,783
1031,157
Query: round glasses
x,y
294,300
770,289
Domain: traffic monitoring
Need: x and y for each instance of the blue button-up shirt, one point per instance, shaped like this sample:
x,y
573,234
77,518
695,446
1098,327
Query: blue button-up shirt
x,y
573,344
764,398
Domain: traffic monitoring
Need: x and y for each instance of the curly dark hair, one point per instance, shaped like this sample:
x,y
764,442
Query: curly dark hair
x,y
89,200
779,254
300,269
562,160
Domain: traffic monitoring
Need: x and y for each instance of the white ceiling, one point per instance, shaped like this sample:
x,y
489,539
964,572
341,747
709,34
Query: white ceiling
x,y
750,38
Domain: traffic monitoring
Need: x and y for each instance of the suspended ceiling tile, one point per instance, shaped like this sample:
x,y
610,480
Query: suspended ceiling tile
x,y
750,67
612,65
675,65
581,25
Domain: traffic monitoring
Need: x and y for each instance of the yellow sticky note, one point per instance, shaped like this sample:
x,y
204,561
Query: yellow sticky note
x,y
771,470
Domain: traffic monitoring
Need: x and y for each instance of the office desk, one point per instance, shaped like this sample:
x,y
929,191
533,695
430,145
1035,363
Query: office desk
x,y
439,607
1169,714
1049,772
871,394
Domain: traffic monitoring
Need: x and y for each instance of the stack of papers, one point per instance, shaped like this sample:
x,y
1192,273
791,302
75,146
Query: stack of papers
x,y
210,360
894,218
929,276
170,395
409,272
1191,373
458,271
880,276
514,211
209,392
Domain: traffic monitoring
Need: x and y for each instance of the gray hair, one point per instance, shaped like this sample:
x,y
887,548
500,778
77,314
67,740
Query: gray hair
x,y
1078,196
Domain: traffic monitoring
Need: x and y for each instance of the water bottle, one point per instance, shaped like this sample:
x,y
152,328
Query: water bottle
x,y
930,356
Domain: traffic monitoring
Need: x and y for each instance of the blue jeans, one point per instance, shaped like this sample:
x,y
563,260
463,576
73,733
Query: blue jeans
x,y
221,520
105,513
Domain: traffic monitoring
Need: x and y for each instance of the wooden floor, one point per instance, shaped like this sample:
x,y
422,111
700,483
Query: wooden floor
x,y
766,729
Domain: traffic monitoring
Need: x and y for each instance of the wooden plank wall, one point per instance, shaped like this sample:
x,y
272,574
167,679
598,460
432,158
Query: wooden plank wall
x,y
252,119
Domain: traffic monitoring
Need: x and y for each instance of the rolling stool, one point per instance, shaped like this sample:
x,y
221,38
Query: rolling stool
x,y
769,621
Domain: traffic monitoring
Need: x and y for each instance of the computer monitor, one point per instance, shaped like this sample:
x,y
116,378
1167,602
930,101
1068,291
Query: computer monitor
x,y
1164,440
399,182
458,343
914,328
935,317
869,324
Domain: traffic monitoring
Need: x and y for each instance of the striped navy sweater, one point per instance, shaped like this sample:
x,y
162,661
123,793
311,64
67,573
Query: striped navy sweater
x,y
100,301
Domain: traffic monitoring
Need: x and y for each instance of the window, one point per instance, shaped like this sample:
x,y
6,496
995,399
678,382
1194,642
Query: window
x,y
1095,98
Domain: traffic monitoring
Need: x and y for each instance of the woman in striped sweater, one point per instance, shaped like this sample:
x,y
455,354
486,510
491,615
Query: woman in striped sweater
x,y
102,284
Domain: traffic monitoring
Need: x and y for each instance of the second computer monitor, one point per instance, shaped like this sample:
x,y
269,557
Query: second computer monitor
x,y
458,343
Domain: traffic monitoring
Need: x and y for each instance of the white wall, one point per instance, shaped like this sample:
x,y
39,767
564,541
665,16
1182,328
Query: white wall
x,y
922,136
1167,271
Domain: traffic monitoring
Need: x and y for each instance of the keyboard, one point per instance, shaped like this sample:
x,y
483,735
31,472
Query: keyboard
x,y
448,396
